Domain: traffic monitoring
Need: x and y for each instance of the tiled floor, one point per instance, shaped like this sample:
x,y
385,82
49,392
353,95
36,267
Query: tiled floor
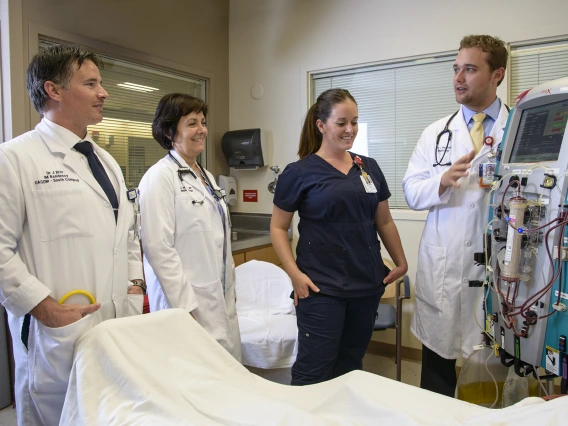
x,y
371,363
386,367
8,417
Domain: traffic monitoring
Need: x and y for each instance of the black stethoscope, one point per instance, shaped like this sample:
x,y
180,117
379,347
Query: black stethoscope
x,y
217,194
450,134
442,133
185,170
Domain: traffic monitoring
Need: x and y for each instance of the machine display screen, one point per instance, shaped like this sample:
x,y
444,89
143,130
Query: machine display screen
x,y
540,133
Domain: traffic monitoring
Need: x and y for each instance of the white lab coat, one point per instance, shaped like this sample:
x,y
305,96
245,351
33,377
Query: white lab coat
x,y
57,234
444,315
183,251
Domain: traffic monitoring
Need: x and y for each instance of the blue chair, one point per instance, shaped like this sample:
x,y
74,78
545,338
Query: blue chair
x,y
389,316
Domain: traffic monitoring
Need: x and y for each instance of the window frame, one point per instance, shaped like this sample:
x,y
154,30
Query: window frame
x,y
37,32
528,44
399,212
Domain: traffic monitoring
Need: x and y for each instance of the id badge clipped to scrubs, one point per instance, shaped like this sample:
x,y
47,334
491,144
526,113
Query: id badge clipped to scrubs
x,y
368,183
365,178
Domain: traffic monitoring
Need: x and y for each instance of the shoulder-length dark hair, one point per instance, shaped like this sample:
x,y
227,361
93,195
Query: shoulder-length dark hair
x,y
170,109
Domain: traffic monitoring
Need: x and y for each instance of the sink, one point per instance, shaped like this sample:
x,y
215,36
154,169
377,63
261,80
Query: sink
x,y
242,234
256,222
251,229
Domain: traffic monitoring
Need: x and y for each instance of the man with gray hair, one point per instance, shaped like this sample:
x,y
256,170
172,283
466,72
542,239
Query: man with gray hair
x,y
66,224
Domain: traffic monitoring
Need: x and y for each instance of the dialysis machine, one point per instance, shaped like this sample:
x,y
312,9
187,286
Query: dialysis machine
x,y
526,241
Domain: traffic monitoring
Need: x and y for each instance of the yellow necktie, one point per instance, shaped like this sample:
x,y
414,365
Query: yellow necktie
x,y
477,132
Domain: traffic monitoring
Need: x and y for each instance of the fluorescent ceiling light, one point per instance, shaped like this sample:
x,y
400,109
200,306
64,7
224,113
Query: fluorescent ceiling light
x,y
137,87
107,120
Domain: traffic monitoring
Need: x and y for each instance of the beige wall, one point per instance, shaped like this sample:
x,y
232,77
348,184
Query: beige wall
x,y
240,43
182,33
275,43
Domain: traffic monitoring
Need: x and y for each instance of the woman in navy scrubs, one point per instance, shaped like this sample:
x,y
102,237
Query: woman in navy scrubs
x,y
338,276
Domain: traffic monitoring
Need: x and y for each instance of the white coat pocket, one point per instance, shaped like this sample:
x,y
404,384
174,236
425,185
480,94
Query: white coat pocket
x,y
432,266
192,217
211,312
135,304
62,213
51,353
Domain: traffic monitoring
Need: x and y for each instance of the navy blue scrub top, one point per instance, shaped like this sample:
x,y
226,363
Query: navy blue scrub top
x,y
338,246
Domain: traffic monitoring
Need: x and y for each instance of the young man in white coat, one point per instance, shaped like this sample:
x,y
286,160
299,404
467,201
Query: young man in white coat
x,y
442,178
65,224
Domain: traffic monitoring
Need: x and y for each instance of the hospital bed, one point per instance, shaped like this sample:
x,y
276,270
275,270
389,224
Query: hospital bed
x,y
164,369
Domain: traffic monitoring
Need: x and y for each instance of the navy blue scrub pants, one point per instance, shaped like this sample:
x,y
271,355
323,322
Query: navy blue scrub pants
x,y
333,335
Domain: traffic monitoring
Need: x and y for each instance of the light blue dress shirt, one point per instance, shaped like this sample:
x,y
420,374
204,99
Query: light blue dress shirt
x,y
492,112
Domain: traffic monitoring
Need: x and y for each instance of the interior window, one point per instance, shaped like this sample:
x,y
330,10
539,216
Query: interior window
x,y
126,130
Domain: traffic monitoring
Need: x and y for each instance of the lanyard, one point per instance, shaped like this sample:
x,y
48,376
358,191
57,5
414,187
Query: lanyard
x,y
225,218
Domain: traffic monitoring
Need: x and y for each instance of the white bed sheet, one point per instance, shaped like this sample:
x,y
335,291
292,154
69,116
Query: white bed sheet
x,y
267,316
270,341
164,369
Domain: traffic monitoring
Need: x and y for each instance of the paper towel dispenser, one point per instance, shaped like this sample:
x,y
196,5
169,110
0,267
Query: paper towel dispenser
x,y
244,149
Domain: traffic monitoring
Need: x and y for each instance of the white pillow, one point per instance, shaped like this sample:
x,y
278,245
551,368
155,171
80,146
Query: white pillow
x,y
263,289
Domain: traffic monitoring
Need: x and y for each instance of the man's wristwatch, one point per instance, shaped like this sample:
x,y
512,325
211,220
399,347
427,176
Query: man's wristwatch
x,y
139,283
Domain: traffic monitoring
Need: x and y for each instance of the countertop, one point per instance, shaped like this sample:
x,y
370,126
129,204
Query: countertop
x,y
260,240
251,230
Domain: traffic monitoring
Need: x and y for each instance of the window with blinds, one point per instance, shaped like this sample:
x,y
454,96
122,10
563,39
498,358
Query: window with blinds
x,y
126,130
534,64
396,102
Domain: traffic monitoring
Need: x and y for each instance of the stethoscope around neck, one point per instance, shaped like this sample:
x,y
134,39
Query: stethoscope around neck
x,y
447,131
185,170
181,171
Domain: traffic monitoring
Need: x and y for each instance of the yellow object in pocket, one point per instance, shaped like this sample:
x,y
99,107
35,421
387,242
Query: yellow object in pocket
x,y
72,293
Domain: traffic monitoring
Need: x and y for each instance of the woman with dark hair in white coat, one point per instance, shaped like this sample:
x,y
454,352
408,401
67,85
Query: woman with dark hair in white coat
x,y
185,225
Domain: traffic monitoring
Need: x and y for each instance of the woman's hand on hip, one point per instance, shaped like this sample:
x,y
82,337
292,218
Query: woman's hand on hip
x,y
395,274
302,285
